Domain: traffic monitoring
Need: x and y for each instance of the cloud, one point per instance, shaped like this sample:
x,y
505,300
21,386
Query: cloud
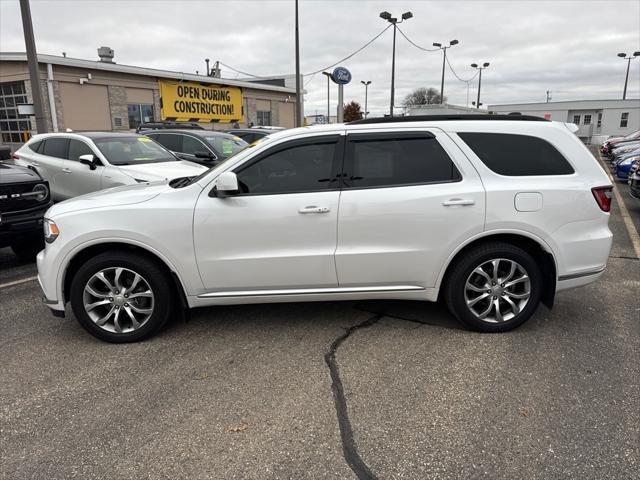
x,y
568,47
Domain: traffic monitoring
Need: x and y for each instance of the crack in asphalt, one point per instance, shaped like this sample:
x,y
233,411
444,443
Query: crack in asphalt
x,y
349,448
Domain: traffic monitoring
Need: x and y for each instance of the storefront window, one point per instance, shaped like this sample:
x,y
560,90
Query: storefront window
x,y
13,128
139,114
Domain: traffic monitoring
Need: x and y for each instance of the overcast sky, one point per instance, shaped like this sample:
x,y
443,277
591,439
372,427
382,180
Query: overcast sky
x,y
568,47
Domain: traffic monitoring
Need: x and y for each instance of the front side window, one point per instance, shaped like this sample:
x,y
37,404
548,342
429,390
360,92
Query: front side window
x,y
624,120
55,147
170,141
192,145
587,120
133,151
226,145
517,155
391,160
77,148
305,167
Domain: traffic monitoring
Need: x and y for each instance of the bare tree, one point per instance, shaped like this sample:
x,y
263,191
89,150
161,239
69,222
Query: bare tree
x,y
423,96
352,112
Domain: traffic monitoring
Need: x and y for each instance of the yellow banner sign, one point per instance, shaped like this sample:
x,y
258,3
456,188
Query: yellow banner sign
x,y
195,102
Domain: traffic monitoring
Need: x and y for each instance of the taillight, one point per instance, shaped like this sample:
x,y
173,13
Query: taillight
x,y
15,156
603,197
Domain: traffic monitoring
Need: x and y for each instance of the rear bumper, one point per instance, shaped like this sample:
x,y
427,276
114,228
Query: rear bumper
x,y
578,280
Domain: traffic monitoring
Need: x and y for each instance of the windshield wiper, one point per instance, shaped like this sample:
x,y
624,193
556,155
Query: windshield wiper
x,y
180,182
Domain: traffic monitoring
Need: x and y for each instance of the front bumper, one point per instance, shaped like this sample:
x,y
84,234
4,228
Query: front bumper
x,y
16,225
47,278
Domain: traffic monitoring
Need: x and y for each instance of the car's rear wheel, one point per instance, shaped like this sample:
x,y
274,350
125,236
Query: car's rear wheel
x,y
121,297
494,287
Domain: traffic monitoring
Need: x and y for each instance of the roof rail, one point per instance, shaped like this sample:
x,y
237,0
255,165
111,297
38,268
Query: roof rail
x,y
452,117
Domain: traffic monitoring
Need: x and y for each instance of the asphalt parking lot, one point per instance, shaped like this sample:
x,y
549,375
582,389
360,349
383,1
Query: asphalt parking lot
x,y
328,390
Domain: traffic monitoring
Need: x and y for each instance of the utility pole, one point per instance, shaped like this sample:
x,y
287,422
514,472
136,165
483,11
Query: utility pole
x,y
366,88
32,60
548,95
475,65
298,86
394,21
444,61
626,78
328,75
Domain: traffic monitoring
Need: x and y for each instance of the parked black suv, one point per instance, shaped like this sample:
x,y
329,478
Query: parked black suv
x,y
24,197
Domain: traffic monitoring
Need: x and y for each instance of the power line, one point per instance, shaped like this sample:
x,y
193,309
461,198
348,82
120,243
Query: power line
x,y
354,53
456,75
415,44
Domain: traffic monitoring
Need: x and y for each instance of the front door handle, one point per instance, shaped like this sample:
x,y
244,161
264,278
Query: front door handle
x,y
458,201
66,170
314,209
35,164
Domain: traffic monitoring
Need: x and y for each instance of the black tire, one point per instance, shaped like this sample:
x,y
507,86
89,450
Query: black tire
x,y
153,274
28,247
456,284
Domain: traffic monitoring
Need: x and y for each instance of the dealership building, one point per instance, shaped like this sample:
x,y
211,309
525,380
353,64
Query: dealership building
x,y
596,119
89,95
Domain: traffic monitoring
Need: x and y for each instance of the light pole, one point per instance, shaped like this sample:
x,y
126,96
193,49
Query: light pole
x,y
328,74
394,21
444,60
32,62
299,113
626,78
366,88
475,65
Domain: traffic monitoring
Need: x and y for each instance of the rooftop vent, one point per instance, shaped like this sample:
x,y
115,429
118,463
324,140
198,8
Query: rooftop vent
x,y
106,54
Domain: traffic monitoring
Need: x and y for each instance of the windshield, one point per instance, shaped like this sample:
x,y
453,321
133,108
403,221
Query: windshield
x,y
226,145
133,151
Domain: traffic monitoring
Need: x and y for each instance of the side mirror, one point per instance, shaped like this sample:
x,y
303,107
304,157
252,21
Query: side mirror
x,y
226,185
203,154
88,160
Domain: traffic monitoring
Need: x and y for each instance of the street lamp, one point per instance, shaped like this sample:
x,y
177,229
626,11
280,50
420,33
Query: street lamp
x,y
626,79
475,65
394,21
328,90
366,88
444,60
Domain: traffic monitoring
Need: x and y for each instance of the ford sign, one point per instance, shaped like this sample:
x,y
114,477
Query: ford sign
x,y
341,76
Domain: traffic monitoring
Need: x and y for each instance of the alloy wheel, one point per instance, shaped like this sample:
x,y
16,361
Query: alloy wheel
x,y
118,300
497,290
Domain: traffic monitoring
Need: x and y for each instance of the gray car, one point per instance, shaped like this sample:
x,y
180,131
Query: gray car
x,y
205,147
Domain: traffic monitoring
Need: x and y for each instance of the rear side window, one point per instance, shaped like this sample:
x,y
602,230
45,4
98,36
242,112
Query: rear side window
x,y
380,160
34,146
517,155
55,147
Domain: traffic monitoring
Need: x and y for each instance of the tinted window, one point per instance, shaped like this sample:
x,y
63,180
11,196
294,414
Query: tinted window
x,y
517,155
77,148
170,140
192,145
396,160
55,147
300,168
34,146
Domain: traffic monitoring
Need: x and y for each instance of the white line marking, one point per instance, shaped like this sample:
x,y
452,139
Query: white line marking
x,y
18,282
631,228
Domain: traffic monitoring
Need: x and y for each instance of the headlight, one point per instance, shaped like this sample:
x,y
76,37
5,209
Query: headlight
x,y
51,230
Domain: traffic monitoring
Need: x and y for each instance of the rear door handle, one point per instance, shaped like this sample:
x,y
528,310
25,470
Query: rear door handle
x,y
35,164
66,170
314,209
458,201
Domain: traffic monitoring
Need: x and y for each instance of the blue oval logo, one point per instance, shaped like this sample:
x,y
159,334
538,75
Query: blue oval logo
x,y
341,76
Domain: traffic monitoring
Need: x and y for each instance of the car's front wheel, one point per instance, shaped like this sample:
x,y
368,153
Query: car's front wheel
x,y
494,287
121,297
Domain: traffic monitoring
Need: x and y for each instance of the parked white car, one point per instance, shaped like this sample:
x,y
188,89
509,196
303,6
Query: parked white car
x,y
76,164
493,214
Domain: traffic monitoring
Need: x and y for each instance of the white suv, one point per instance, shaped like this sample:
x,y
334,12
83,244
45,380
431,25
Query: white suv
x,y
492,214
